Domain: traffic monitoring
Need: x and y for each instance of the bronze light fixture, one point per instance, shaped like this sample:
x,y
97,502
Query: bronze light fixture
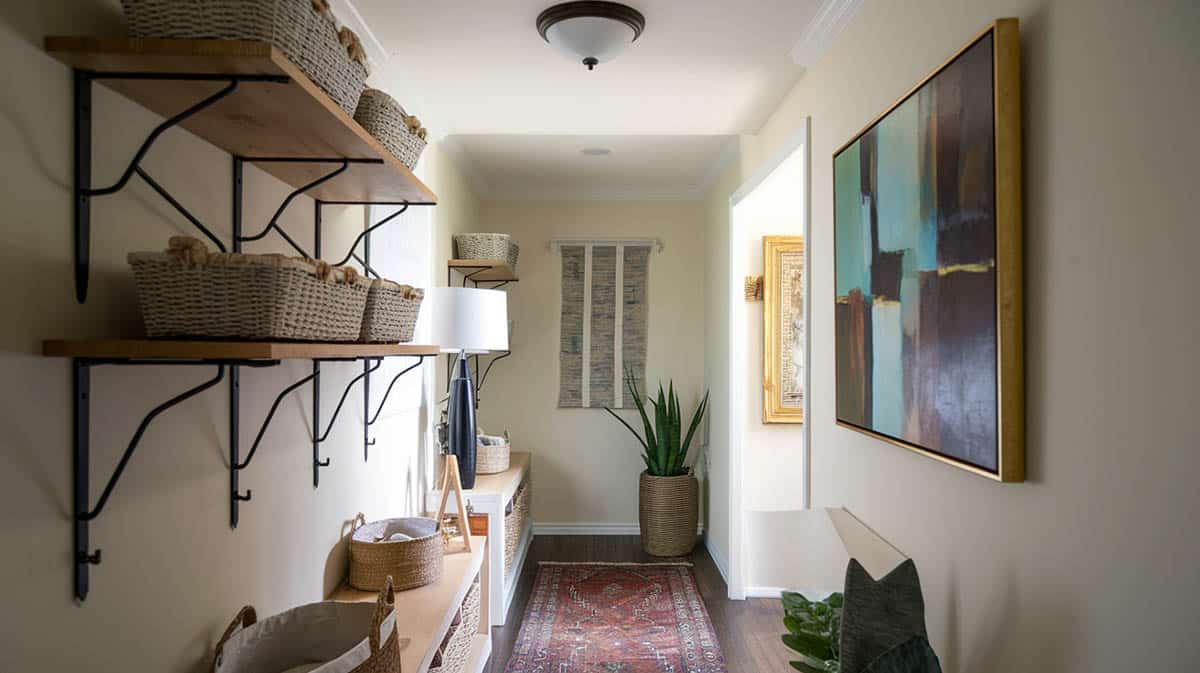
x,y
594,32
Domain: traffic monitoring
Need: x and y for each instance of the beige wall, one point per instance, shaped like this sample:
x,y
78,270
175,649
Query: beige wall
x,y
173,572
586,464
1090,564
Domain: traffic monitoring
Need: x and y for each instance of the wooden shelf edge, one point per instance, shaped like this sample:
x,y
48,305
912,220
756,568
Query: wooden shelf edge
x,y
486,269
214,56
154,349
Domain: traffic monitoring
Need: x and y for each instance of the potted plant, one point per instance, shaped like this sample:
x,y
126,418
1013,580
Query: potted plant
x,y
814,631
668,493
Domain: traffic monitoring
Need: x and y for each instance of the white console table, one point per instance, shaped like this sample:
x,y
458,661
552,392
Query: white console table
x,y
491,496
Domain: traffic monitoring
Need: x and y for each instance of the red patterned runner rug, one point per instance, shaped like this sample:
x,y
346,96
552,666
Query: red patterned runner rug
x,y
616,618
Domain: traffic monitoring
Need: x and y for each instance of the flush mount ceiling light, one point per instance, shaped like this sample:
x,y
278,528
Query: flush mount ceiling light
x,y
592,31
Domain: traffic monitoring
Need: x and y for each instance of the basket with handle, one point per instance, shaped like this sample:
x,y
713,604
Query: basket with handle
x,y
398,131
329,634
492,454
487,246
409,551
188,292
391,312
304,30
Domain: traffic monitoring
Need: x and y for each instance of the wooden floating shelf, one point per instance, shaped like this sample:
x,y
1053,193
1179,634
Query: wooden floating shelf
x,y
153,349
424,614
260,119
485,270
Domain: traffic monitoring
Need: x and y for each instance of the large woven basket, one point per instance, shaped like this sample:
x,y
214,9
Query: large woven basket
x,y
411,563
492,247
398,131
187,292
514,524
455,649
668,511
492,459
391,312
304,30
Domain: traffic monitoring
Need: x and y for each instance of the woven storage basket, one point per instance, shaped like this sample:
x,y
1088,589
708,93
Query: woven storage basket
x,y
410,563
323,637
668,511
307,36
492,459
391,312
452,656
492,247
514,524
187,292
398,131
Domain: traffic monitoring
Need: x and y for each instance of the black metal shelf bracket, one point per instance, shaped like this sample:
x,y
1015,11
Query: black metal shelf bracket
x,y
370,365
375,417
84,512
366,235
274,223
84,191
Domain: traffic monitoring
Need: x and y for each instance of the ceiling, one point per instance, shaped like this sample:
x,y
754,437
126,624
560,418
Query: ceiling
x,y
541,167
478,72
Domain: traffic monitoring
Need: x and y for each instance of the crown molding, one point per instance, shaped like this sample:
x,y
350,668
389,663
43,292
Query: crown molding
x,y
830,20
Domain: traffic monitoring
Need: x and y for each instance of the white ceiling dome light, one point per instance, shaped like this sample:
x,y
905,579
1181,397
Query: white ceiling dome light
x,y
594,32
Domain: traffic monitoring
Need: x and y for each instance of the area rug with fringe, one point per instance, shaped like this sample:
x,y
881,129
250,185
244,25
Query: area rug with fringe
x,y
616,618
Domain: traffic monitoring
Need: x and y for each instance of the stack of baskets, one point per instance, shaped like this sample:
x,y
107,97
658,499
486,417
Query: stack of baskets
x,y
488,247
409,551
188,291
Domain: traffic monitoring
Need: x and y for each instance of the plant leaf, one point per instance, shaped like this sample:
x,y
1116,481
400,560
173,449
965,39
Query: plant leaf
x,y
696,418
627,425
801,666
809,645
660,422
651,442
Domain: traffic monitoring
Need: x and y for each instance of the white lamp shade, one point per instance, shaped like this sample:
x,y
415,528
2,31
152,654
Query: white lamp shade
x,y
467,319
591,36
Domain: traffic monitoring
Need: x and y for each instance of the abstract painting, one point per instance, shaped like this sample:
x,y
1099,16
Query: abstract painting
x,y
927,261
783,329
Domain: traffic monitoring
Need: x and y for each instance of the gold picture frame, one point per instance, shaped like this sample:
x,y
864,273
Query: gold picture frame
x,y
1009,422
784,327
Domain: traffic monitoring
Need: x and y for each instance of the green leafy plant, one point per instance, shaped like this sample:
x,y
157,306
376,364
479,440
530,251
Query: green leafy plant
x,y
665,447
814,628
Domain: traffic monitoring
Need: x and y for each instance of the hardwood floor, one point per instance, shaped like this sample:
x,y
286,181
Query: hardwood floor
x,y
747,630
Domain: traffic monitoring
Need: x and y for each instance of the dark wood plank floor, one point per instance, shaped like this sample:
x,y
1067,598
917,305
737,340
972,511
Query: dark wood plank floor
x,y
747,630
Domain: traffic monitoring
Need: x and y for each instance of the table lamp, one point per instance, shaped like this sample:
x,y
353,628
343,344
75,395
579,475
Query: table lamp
x,y
466,321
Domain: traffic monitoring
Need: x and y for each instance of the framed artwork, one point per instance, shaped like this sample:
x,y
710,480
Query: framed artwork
x,y
927,255
783,329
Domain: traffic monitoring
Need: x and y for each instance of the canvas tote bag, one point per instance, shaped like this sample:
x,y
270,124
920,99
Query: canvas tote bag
x,y
325,637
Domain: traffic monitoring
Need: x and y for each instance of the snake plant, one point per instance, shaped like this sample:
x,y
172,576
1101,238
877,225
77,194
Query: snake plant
x,y
814,629
665,448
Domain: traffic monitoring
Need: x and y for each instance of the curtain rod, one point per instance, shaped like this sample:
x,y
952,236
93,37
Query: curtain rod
x,y
558,243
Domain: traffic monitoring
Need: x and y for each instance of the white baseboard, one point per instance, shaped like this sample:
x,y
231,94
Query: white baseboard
x,y
718,559
764,592
550,528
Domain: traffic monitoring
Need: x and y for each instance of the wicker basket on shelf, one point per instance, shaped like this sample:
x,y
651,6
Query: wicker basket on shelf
x,y
391,312
409,550
304,30
398,131
491,247
492,454
452,655
514,523
189,292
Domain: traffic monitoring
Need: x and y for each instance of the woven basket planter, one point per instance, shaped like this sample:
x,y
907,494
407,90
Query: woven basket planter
x,y
491,247
455,649
411,563
492,459
668,511
308,37
186,292
388,123
514,523
391,312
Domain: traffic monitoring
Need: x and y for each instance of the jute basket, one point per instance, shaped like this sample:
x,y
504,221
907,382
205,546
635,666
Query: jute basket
x,y
326,636
452,656
188,292
410,563
398,131
668,511
304,30
514,523
492,459
391,312
492,247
